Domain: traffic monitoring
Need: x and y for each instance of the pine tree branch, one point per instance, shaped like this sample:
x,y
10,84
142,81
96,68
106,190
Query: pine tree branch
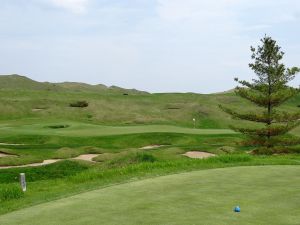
x,y
284,117
272,130
254,117
274,141
256,98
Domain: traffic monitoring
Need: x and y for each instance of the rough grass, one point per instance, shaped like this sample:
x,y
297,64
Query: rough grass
x,y
54,171
10,192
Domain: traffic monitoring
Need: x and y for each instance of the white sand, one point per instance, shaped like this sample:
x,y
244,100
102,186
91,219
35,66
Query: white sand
x,y
198,155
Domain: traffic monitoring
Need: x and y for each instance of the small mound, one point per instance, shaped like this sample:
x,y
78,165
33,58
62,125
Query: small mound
x,y
198,155
87,157
151,147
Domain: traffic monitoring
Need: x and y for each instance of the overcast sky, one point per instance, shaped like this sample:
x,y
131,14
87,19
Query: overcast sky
x,y
153,45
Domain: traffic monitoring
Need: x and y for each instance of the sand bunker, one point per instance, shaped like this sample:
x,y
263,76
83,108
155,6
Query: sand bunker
x,y
37,110
198,155
152,147
45,162
10,144
2,155
87,157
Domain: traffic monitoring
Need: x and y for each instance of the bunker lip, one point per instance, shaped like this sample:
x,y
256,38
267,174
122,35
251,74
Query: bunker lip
x,y
198,154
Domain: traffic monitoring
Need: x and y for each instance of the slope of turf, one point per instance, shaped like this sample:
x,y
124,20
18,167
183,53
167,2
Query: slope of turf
x,y
266,194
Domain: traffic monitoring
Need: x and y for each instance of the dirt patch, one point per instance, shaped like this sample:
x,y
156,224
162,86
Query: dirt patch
x,y
198,155
151,147
87,157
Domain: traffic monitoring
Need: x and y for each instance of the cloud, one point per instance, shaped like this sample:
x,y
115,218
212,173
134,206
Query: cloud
x,y
75,6
174,10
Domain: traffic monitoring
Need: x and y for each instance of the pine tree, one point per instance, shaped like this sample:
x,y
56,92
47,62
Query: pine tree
x,y
268,91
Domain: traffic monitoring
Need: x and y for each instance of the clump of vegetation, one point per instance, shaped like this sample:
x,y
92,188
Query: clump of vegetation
x,y
268,92
145,157
10,192
131,158
59,126
80,104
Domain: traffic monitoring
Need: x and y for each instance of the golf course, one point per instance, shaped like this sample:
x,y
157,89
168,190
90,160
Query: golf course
x,y
149,112
138,158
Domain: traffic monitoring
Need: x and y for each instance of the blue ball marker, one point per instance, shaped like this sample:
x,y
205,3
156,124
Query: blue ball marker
x,y
237,209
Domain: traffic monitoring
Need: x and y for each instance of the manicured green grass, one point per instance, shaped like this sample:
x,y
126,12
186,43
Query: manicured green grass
x,y
76,129
47,187
266,196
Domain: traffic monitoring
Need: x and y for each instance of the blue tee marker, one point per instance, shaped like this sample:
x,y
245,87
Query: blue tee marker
x,y
237,209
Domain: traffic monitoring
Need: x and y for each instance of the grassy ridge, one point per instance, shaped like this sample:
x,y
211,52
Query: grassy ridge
x,y
22,98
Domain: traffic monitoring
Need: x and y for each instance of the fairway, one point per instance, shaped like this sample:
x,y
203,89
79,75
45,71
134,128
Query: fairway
x,y
266,194
84,129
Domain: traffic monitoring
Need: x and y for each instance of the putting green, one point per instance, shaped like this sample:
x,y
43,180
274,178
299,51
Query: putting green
x,y
266,194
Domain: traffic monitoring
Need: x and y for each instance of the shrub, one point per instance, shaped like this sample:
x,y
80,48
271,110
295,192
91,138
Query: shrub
x,y
10,192
80,104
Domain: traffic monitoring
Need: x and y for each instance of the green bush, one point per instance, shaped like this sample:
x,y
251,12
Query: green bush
x,y
10,192
80,104
58,126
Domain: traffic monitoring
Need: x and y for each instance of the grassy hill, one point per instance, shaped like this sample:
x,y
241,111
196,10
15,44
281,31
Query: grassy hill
x,y
23,98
